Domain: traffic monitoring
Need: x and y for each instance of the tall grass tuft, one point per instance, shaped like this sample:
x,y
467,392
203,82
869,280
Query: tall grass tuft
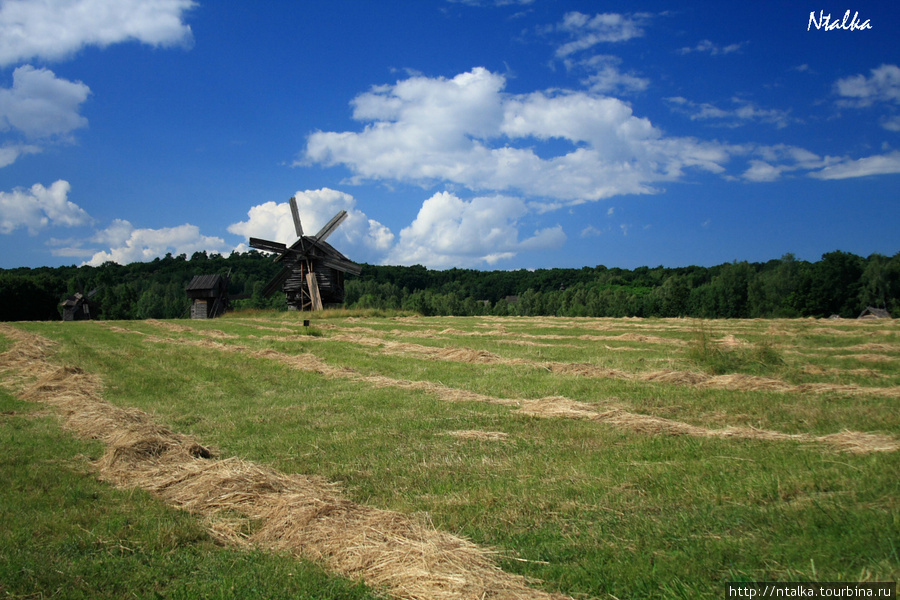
x,y
756,359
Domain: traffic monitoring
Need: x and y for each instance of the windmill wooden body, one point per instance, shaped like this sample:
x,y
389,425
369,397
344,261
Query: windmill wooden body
x,y
77,307
313,272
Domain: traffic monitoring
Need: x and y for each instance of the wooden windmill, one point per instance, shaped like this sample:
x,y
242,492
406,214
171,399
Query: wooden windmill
x,y
313,272
77,307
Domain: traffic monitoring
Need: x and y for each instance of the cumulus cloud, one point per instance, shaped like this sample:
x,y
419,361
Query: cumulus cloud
x,y
358,237
129,244
39,109
880,88
882,85
55,29
585,31
451,232
40,207
467,131
40,105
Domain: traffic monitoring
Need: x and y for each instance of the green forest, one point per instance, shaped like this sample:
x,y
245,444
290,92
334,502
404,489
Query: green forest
x,y
841,283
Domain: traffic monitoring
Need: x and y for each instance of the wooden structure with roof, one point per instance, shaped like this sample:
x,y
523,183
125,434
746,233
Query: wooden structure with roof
x,y
874,313
78,307
209,296
313,272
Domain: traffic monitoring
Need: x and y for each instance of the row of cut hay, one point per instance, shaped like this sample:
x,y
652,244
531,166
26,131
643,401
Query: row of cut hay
x,y
479,435
502,333
305,515
735,382
561,407
846,441
176,328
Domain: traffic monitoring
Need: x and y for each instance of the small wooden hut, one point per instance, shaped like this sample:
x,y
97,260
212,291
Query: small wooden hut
x,y
874,313
209,296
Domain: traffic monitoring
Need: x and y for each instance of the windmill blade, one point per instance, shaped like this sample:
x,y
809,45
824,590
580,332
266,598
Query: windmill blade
x,y
274,285
295,212
341,265
91,293
331,226
267,245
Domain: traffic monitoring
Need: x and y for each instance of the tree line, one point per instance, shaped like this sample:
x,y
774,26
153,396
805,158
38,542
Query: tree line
x,y
840,283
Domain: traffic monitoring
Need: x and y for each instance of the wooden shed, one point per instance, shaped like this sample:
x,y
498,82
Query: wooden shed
x,y
209,296
874,313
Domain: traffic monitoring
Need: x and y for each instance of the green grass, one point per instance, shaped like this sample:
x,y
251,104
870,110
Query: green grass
x,y
590,509
63,534
759,358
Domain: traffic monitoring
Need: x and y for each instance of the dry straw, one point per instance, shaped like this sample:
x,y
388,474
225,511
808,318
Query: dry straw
x,y
249,504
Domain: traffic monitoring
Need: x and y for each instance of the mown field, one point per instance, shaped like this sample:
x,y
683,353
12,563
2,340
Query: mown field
x,y
251,456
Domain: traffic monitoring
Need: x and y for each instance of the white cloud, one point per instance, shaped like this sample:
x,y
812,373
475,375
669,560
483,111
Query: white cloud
x,y
40,105
39,207
451,232
466,131
712,48
762,171
586,31
741,113
891,123
39,109
881,87
9,152
270,221
129,244
773,161
603,75
860,91
55,29
881,164
358,237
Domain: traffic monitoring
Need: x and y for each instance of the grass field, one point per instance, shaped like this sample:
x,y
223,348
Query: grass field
x,y
367,454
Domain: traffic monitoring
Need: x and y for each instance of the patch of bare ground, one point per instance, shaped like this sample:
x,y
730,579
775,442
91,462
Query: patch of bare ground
x,y
404,555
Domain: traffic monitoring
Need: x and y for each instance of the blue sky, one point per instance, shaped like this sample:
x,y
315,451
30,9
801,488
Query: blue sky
x,y
490,134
